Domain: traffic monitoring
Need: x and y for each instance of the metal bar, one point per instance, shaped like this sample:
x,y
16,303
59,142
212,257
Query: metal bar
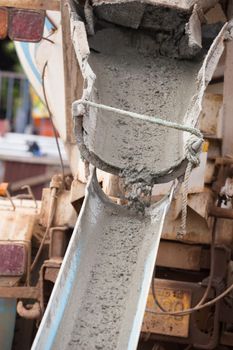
x,y
6,74
33,181
179,255
72,74
10,91
20,292
223,161
53,5
227,142
221,213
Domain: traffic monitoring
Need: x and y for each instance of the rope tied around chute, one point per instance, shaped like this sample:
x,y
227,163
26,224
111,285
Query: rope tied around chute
x,y
192,153
192,147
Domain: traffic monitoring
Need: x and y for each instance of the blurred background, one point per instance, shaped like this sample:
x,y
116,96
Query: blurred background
x,y
20,108
28,154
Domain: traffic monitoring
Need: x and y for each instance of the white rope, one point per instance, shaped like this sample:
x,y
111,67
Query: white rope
x,y
78,110
192,149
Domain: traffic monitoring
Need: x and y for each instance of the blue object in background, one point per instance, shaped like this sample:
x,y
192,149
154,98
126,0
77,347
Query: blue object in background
x,y
7,322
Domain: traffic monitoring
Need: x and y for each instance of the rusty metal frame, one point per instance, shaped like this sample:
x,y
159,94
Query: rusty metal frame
x,y
57,241
53,5
222,213
196,337
48,264
20,292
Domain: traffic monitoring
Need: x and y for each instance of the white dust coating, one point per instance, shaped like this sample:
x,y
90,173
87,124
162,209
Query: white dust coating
x,y
113,245
131,75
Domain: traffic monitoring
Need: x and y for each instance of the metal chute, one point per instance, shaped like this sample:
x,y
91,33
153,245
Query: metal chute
x,y
132,75
100,295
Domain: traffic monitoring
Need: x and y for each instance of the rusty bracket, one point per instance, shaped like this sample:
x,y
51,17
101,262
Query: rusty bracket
x,y
222,213
20,292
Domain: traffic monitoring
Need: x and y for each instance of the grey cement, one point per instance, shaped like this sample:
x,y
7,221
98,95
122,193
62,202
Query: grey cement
x,y
108,281
128,15
132,75
168,26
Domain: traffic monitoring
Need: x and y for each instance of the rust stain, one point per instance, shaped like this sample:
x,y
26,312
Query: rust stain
x,y
171,299
12,259
26,25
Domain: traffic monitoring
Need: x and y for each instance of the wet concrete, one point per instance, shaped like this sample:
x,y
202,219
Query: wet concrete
x,y
132,75
101,290
128,69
